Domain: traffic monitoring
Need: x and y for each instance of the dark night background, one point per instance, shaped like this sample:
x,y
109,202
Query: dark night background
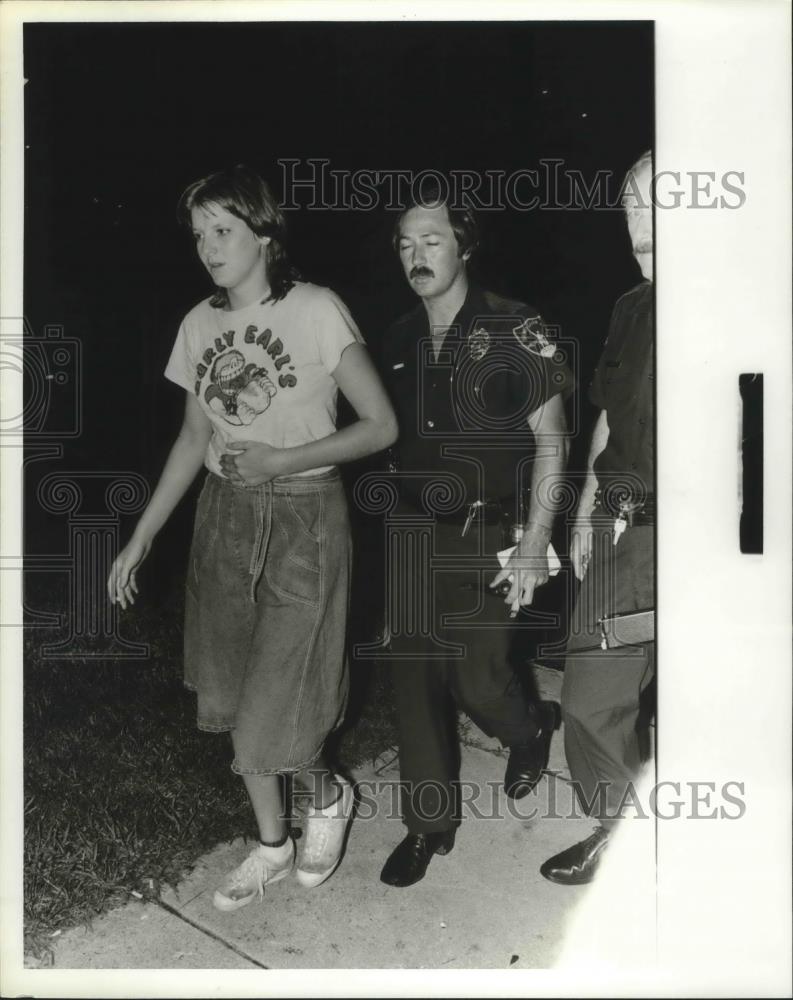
x,y
119,118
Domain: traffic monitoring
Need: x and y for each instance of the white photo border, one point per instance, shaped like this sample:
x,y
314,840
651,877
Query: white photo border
x,y
723,308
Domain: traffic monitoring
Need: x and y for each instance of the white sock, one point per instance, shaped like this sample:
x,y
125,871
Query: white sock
x,y
277,855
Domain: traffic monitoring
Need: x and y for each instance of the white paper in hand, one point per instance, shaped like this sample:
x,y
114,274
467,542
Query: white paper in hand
x,y
554,564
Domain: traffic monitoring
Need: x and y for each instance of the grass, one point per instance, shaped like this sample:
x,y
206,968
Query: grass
x,y
122,792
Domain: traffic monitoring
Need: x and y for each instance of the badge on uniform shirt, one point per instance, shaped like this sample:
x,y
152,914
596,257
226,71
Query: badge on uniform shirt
x,y
531,337
478,343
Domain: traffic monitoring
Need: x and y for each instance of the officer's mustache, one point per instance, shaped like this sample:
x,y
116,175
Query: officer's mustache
x,y
421,271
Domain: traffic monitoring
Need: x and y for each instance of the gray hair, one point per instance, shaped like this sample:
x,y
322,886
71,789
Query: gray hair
x,y
645,160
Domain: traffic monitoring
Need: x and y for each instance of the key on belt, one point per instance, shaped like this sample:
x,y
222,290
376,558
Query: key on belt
x,y
625,518
473,510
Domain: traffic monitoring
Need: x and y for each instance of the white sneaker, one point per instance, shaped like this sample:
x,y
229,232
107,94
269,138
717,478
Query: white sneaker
x,y
249,879
325,832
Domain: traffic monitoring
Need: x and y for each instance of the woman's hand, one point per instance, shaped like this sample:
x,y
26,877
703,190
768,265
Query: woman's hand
x,y
248,463
122,585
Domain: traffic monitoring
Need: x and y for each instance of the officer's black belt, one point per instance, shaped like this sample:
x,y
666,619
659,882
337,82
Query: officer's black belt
x,y
490,512
636,511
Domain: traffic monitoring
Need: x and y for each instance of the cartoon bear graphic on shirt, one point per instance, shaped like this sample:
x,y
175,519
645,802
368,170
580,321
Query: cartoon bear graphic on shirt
x,y
239,392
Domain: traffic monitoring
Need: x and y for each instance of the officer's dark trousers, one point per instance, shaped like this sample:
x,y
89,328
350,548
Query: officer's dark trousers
x,y
442,665
605,691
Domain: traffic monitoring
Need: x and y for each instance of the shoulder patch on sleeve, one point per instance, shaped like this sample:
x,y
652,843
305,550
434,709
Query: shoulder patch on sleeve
x,y
531,335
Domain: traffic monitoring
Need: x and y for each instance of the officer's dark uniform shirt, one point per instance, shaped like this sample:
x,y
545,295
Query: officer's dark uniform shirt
x,y
623,387
496,366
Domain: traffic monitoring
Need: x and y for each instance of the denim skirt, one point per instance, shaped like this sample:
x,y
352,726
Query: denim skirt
x,y
265,619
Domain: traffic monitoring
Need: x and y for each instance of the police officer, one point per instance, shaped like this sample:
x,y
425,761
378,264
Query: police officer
x,y
604,691
475,382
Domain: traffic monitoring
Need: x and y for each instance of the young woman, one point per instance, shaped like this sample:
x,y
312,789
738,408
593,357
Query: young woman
x,y
261,363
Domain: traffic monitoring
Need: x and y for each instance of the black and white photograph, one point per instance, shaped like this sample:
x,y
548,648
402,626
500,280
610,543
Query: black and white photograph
x,y
396,500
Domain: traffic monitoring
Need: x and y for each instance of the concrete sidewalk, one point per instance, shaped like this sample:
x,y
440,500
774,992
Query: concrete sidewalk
x,y
485,905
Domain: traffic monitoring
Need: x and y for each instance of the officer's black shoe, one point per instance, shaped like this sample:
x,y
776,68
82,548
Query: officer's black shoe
x,y
528,761
578,864
409,860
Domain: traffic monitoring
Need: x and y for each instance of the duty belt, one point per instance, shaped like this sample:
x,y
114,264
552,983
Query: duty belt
x,y
485,511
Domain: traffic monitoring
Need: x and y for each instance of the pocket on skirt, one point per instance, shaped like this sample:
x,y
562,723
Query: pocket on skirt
x,y
293,562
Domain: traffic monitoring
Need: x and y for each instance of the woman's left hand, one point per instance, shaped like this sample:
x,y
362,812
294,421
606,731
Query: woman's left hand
x,y
249,463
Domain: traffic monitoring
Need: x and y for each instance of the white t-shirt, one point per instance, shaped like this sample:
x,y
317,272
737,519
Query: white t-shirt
x,y
263,373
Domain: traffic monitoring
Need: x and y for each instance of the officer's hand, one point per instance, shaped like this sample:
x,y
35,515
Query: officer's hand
x,y
528,567
581,545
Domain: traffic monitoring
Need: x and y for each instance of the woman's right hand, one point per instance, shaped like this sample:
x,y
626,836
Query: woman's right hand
x,y
121,584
